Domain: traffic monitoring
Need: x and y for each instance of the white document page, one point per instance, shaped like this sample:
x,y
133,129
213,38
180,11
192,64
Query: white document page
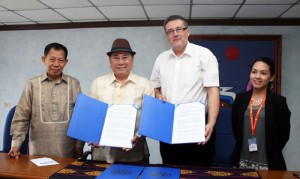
x,y
189,123
119,125
44,161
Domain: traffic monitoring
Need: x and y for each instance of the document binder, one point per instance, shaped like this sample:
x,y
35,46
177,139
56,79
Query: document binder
x,y
170,123
96,121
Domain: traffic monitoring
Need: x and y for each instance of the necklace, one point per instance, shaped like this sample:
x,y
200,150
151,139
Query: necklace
x,y
257,100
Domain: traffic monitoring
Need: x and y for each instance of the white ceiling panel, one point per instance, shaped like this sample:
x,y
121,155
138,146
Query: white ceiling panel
x,y
92,20
53,22
66,3
293,12
214,11
7,16
22,4
165,2
115,2
261,11
129,12
163,11
218,1
128,19
41,15
19,23
68,11
270,1
81,13
2,9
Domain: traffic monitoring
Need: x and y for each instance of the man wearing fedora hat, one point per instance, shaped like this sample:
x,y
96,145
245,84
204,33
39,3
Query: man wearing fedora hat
x,y
122,87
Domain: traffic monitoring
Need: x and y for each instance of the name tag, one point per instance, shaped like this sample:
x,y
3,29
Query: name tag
x,y
252,145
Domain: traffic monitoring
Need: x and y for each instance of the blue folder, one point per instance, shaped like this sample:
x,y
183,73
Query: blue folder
x,y
160,173
87,119
121,171
157,119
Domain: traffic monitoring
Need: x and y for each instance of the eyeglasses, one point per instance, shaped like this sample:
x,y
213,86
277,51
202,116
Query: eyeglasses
x,y
177,29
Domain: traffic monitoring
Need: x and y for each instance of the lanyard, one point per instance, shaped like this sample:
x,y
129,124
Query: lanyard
x,y
254,122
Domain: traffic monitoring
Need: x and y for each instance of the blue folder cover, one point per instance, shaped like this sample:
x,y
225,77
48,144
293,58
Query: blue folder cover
x,y
160,173
121,172
87,119
157,125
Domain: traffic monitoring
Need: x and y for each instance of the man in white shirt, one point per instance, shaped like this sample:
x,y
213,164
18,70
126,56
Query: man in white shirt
x,y
187,73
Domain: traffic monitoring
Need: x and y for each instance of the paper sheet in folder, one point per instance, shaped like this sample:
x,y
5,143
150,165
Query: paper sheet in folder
x,y
96,121
170,123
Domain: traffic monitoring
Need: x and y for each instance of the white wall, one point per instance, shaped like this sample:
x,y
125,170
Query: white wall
x,y
21,51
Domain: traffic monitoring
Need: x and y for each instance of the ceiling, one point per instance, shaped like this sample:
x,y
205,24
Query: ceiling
x,y
25,12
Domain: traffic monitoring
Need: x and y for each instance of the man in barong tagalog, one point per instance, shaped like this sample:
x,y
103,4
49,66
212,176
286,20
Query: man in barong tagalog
x,y
45,108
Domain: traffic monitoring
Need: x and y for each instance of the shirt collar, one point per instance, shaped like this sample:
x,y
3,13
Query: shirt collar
x,y
63,78
131,78
187,51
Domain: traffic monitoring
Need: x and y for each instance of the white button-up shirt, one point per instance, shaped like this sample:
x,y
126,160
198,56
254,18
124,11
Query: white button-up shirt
x,y
183,79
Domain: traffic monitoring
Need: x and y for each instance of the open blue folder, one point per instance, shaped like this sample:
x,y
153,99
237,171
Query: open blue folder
x,y
87,119
120,171
157,119
96,121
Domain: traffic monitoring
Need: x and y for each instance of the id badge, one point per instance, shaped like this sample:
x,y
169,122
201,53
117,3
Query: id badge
x,y
252,145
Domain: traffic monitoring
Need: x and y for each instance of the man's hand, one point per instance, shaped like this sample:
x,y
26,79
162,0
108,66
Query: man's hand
x,y
94,145
158,94
161,97
208,131
14,152
213,111
134,141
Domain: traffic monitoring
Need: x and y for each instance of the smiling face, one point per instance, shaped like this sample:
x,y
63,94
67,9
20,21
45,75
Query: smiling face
x,y
177,34
55,62
260,75
121,64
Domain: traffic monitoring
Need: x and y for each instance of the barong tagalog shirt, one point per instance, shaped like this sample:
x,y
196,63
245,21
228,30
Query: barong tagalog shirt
x,y
45,107
107,89
183,79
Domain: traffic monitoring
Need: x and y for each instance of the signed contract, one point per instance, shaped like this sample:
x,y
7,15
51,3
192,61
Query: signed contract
x,y
119,124
173,123
106,124
189,123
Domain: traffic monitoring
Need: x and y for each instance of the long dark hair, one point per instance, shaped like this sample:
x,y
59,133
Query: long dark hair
x,y
270,63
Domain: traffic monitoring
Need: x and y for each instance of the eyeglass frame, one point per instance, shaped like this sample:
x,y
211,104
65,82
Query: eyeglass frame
x,y
177,29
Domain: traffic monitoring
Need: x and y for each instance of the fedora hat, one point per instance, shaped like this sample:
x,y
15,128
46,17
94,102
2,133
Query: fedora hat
x,y
120,45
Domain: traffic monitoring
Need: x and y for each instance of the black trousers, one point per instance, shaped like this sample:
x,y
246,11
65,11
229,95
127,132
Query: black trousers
x,y
189,154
